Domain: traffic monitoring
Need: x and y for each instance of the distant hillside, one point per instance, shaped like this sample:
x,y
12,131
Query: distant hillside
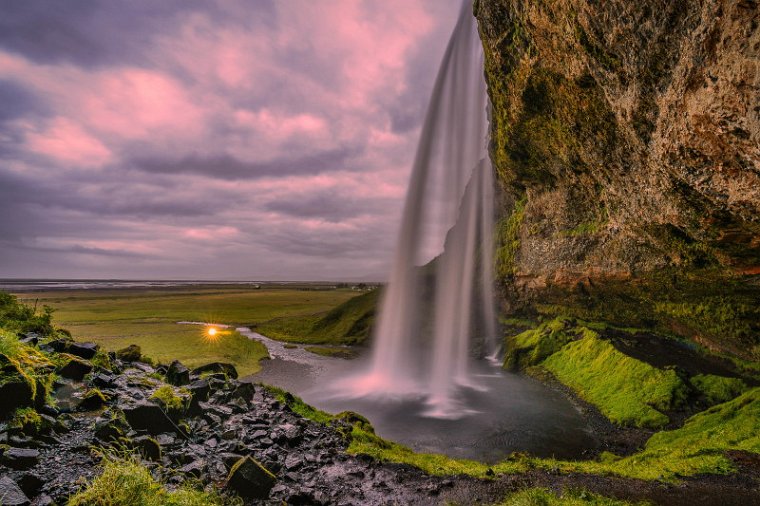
x,y
348,323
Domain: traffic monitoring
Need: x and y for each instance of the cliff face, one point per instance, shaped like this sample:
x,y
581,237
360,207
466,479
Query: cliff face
x,y
626,138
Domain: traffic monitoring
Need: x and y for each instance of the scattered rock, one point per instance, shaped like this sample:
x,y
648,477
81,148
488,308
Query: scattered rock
x,y
131,353
244,390
93,400
177,374
83,350
148,447
59,345
11,494
74,367
16,391
21,458
194,468
250,479
147,416
104,380
217,367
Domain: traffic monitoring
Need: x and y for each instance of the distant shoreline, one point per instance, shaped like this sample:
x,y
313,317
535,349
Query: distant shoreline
x,y
41,285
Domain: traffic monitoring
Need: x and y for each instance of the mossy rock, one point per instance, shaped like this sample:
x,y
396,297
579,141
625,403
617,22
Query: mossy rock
x,y
17,390
93,399
131,353
251,480
148,447
353,418
217,367
74,367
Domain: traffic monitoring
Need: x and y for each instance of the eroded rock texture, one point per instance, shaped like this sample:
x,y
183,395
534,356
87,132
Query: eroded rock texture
x,y
626,137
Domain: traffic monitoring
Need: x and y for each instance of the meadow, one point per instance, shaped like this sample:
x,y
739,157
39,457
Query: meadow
x,y
148,317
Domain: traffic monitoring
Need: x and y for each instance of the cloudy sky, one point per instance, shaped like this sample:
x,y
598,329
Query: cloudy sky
x,y
250,139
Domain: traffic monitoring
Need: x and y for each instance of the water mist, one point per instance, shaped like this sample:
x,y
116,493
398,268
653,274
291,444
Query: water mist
x,y
438,305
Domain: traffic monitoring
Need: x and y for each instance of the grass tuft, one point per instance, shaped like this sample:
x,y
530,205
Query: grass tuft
x,y
124,482
573,497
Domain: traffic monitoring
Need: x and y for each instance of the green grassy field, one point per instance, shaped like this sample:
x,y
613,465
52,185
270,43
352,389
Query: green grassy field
x,y
147,317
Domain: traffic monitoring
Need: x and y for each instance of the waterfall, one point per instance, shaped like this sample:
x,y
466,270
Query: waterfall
x,y
438,305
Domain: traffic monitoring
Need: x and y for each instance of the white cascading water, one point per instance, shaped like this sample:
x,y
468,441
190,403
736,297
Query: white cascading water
x,y
428,324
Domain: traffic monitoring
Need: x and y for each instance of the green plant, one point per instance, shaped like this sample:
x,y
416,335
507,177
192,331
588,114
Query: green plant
x,y
172,399
124,482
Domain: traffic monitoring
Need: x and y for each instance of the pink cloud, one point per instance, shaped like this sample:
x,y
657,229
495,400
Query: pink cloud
x,y
67,142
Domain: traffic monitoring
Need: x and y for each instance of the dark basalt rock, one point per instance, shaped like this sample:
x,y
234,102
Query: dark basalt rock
x,y
15,392
75,368
244,390
20,458
147,416
177,374
250,479
30,483
83,350
59,345
11,494
104,380
217,367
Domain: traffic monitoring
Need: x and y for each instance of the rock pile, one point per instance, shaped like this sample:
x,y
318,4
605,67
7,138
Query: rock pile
x,y
202,425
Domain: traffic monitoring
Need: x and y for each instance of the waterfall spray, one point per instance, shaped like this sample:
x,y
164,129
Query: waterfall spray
x,y
439,300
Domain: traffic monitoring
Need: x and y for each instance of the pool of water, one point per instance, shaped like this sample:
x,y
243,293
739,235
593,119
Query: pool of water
x,y
507,412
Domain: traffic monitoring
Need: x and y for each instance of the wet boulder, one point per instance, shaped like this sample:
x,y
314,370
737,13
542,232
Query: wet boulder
x,y
131,353
83,350
217,367
148,416
177,374
74,367
11,494
249,479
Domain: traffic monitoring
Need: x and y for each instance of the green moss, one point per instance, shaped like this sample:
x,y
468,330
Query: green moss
x,y
102,360
26,362
171,398
532,346
696,448
27,420
126,483
508,241
626,390
574,497
585,228
367,443
715,315
717,389
297,405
